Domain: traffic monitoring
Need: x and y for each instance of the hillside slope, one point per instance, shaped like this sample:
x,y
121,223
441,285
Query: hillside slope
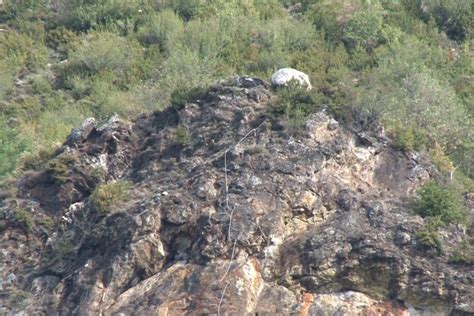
x,y
215,208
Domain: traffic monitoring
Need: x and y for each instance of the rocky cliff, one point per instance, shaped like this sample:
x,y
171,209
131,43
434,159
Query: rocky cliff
x,y
224,212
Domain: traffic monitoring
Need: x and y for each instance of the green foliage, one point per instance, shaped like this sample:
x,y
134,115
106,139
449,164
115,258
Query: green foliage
x,y
183,136
61,39
99,173
19,50
434,200
47,222
407,138
35,161
101,52
106,197
365,27
428,235
464,253
182,95
159,28
328,16
83,15
295,103
61,166
452,16
24,217
64,245
406,92
12,147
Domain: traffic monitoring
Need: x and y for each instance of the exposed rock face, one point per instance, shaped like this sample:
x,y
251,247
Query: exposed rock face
x,y
241,219
283,76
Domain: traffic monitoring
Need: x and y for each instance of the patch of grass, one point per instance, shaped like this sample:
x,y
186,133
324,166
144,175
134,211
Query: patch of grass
x,y
108,196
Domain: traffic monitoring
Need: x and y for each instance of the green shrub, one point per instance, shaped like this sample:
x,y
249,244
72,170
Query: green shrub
x,y
61,166
35,161
50,129
65,244
183,136
61,39
25,218
295,104
48,223
19,50
6,79
101,52
435,200
452,16
99,173
464,253
328,16
41,86
106,197
187,9
81,15
407,138
182,95
160,28
428,236
365,27
406,92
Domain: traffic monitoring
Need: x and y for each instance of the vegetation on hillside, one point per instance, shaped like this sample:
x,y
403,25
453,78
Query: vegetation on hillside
x,y
408,63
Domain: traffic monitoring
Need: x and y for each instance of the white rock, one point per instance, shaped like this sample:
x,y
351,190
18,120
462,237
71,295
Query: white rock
x,y
285,75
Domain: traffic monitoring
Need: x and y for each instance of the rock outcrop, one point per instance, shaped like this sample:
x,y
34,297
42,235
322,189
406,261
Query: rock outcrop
x,y
228,214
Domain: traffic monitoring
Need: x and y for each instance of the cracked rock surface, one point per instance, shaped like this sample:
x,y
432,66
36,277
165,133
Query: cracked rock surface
x,y
240,218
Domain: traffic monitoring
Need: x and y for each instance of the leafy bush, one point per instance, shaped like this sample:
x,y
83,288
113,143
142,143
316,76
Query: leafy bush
x,y
452,16
19,50
295,104
365,27
106,197
406,92
35,161
407,138
160,28
434,200
102,52
61,166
